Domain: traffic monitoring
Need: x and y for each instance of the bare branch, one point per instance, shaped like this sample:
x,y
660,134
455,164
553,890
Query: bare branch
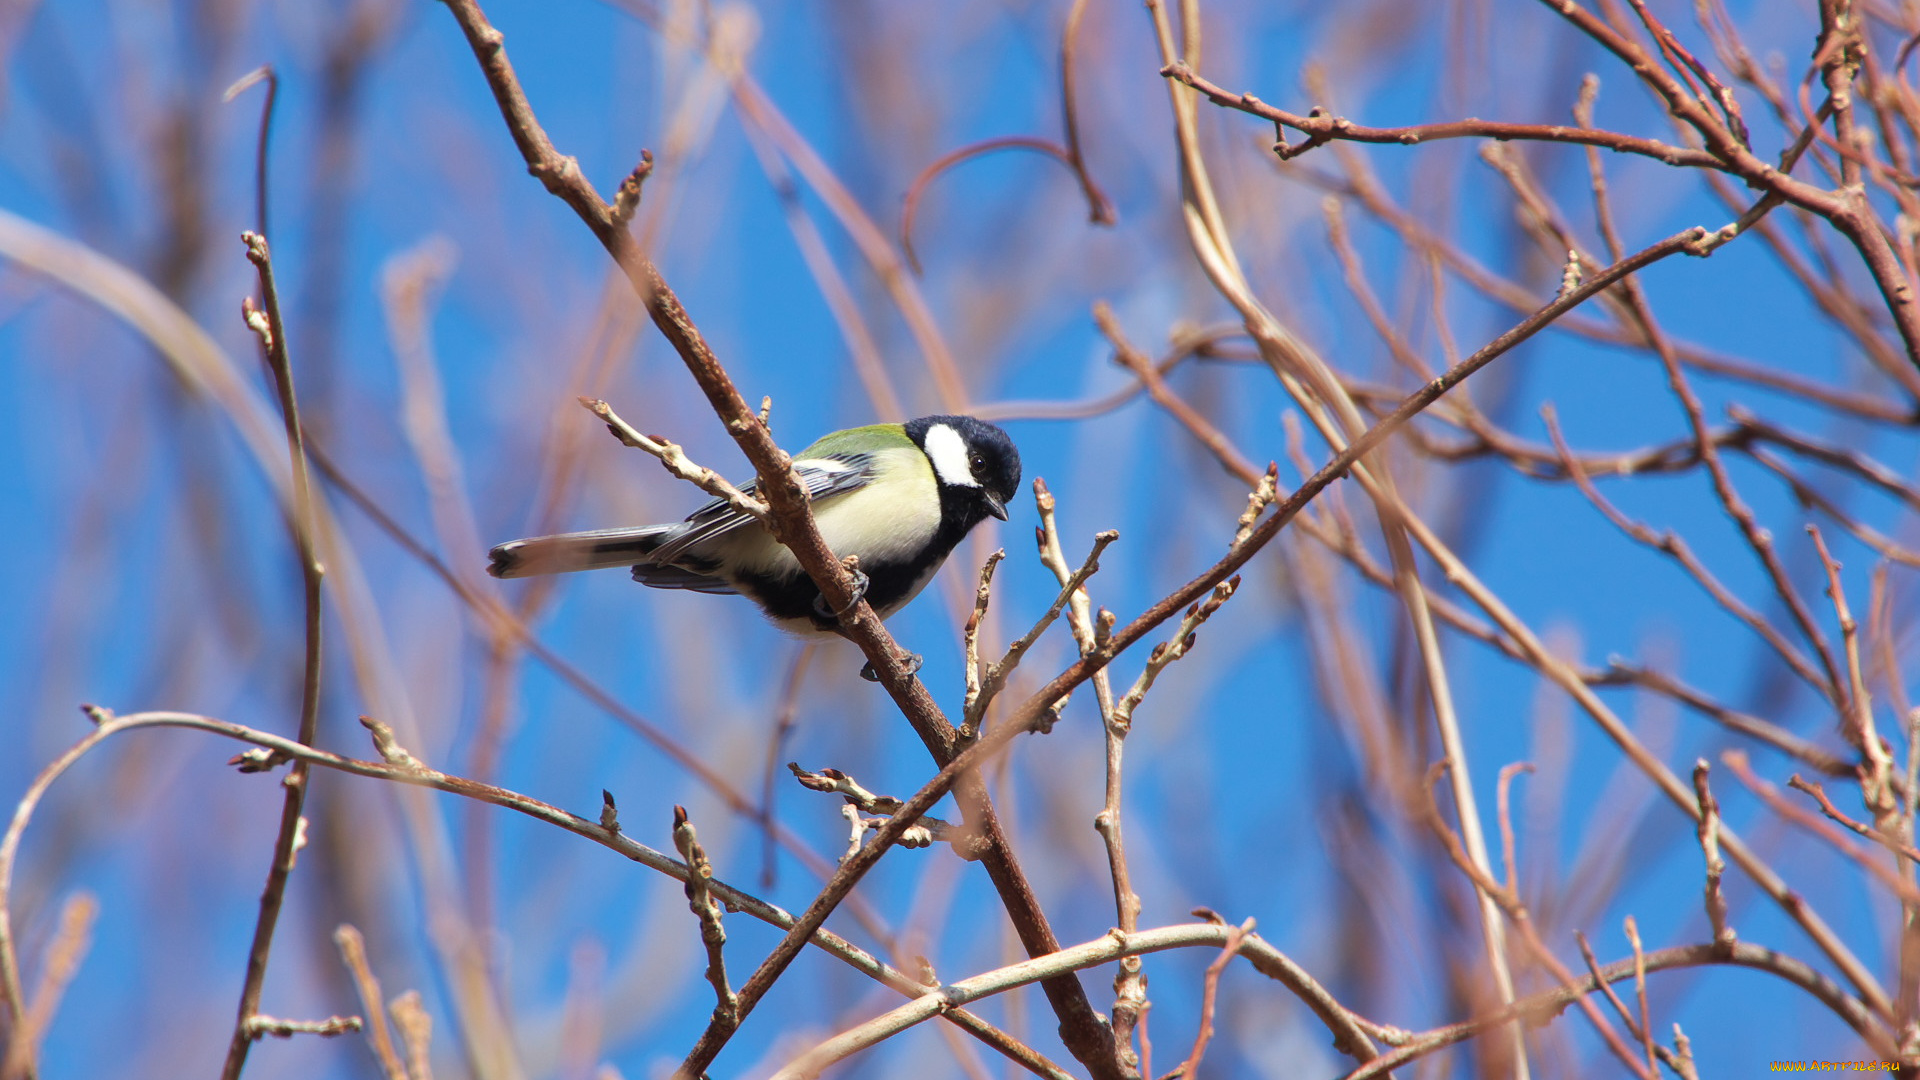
x,y
353,950
700,900
676,462
1709,831
273,339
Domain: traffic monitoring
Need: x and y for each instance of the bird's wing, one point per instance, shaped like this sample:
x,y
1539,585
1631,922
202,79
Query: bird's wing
x,y
822,476
678,577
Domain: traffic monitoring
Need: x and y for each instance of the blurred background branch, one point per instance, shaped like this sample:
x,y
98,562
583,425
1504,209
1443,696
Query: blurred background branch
x,y
1592,510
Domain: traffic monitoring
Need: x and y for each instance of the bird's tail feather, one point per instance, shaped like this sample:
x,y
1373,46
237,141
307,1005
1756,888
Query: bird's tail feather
x,y
568,552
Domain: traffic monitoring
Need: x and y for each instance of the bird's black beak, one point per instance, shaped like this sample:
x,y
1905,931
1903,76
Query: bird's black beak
x,y
994,505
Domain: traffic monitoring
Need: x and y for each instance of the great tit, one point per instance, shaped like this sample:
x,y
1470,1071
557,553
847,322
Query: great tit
x,y
899,496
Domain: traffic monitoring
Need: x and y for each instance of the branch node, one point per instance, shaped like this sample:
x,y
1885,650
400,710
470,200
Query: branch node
x,y
627,199
726,1009
389,747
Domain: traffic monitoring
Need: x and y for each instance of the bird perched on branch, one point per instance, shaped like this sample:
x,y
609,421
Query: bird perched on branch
x,y
898,496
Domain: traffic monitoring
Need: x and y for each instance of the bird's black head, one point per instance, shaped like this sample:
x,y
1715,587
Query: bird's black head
x,y
972,460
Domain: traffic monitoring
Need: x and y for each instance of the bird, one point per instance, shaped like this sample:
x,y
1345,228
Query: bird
x,y
898,496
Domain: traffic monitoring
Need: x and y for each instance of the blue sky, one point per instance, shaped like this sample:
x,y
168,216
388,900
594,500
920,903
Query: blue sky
x,y
150,570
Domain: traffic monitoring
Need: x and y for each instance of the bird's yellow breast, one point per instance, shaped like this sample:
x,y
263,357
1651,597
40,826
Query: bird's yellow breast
x,y
891,518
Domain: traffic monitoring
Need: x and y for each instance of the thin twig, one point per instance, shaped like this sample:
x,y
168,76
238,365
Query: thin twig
x,y
1100,214
834,781
1504,806
1869,861
676,461
1171,649
1904,850
1548,1002
71,940
700,899
1640,992
1876,776
981,595
353,950
1099,208
1320,127
272,331
776,746
1209,998
262,74
997,675
416,1030
1089,632
1675,546
1522,921
1709,832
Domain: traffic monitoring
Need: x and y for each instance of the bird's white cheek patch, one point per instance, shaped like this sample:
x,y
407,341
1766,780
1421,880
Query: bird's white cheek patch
x,y
948,452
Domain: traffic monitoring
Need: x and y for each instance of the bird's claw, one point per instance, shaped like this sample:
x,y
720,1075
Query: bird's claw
x,y
913,662
821,608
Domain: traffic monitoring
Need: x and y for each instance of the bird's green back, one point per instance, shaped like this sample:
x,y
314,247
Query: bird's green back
x,y
859,440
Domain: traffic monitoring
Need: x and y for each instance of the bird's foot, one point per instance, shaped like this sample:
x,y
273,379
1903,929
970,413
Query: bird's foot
x,y
821,608
913,662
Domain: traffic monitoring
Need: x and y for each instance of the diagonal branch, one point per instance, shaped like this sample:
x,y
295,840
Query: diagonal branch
x,y
272,332
792,523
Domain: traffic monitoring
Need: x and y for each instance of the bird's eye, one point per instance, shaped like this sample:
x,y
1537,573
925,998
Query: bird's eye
x,y
978,463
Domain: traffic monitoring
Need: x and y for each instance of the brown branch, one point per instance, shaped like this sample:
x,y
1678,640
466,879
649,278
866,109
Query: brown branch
x,y
353,951
1515,297
700,900
1876,771
1640,311
272,331
675,461
608,835
981,696
1709,833
1846,209
1187,344
1736,760
1548,1002
1321,128
71,941
1286,509
1829,454
1130,1002
776,746
1210,992
416,1030
1903,849
1640,992
1148,373
1504,812
1099,208
792,523
1638,970
1113,945
1522,920
1102,213
1618,672
1675,546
